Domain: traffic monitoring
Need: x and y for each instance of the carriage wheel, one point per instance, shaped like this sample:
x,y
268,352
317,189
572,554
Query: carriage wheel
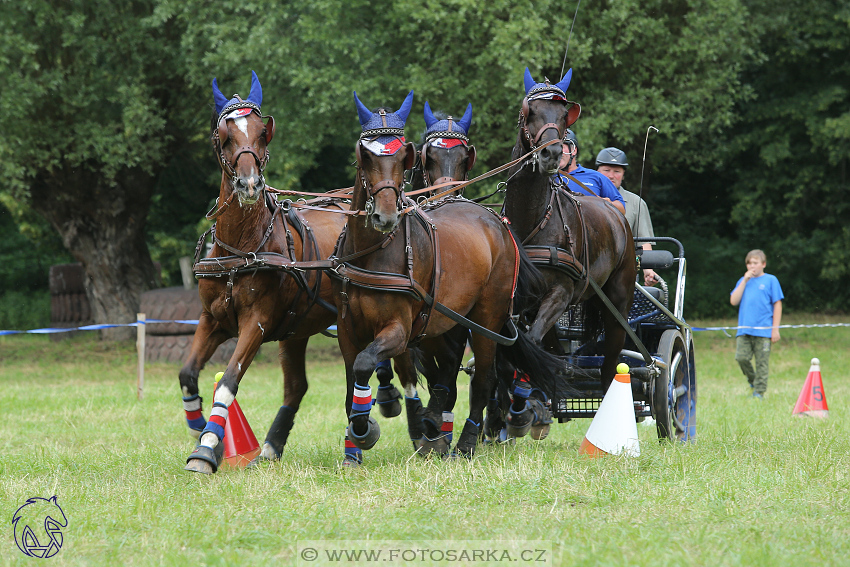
x,y
674,394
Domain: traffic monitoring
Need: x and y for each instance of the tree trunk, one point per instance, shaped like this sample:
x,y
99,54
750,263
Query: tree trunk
x,y
103,226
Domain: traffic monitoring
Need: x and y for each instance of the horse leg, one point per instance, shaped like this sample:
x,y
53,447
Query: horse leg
x,y
208,336
206,456
480,388
363,430
292,355
388,395
443,365
551,308
412,404
615,338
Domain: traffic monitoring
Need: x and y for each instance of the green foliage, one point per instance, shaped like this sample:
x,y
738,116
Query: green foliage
x,y
23,310
750,99
667,62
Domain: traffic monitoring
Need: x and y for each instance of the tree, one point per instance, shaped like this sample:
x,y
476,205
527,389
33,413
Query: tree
x,y
94,104
789,154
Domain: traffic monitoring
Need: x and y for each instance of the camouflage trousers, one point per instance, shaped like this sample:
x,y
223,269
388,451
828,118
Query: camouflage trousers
x,y
758,348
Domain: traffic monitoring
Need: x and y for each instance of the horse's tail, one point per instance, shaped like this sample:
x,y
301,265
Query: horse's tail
x,y
546,370
592,323
530,284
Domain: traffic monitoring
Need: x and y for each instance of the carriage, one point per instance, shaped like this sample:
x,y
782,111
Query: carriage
x,y
663,387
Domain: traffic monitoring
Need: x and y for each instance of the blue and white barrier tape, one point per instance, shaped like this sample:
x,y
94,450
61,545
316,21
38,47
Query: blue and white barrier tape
x,y
51,330
812,326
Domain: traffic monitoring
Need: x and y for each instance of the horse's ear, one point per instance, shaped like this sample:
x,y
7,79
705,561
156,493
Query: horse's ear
x,y
363,112
256,94
404,110
573,113
528,80
430,119
222,130
466,121
410,158
470,161
269,130
565,82
218,96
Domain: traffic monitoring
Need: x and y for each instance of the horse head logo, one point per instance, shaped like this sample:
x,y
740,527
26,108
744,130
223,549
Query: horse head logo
x,y
38,527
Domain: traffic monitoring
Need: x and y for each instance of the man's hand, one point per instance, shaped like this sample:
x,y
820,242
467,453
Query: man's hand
x,y
650,277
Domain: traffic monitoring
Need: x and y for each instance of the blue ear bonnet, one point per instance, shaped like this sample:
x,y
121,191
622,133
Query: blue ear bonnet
x,y
254,100
386,123
533,88
448,128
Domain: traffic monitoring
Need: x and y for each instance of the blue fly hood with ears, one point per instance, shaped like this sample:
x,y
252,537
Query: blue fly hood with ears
x,y
383,132
254,100
448,128
535,90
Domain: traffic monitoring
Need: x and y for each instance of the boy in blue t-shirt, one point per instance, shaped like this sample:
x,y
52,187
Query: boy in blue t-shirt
x,y
760,298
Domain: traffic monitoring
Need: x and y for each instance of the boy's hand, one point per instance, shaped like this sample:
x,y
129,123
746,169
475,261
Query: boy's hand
x,y
774,335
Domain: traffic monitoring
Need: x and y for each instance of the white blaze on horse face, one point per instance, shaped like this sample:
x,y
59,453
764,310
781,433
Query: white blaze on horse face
x,y
242,124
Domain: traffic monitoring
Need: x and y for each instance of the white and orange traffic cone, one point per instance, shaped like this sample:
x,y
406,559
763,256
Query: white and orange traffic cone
x,y
240,443
812,400
614,429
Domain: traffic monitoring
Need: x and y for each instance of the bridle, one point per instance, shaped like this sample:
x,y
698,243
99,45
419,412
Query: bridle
x,y
373,189
522,123
220,137
423,154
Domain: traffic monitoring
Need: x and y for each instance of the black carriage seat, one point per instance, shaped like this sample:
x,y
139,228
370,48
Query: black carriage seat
x,y
656,292
655,259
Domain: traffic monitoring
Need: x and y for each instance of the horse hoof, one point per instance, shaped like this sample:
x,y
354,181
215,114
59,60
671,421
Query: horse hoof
x,y
540,432
438,446
350,462
388,401
203,460
368,439
542,419
519,422
267,455
465,453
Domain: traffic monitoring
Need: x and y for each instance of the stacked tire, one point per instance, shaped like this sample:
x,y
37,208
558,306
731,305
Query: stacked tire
x,y
172,342
69,305
164,342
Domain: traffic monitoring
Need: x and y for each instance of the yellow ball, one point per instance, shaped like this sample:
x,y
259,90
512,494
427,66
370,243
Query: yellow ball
x,y
219,376
622,368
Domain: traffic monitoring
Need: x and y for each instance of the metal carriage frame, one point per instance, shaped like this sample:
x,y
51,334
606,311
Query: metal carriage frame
x,y
663,386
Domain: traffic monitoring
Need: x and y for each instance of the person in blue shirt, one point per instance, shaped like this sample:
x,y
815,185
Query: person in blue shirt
x,y
597,183
759,296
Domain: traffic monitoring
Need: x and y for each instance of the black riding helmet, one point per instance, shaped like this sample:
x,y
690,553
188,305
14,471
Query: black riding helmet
x,y
612,156
569,139
570,136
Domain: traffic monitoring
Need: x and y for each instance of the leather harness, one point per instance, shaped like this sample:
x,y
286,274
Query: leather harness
x,y
241,261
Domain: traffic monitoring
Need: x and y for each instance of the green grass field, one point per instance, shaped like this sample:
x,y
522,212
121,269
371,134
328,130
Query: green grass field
x,y
758,488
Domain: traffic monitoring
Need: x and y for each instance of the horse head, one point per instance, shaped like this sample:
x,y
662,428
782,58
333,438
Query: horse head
x,y
241,139
382,158
446,154
545,115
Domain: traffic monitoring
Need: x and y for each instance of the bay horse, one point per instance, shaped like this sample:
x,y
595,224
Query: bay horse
x,y
407,276
580,243
246,286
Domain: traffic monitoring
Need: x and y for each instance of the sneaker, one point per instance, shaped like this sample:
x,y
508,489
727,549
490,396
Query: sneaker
x,y
758,396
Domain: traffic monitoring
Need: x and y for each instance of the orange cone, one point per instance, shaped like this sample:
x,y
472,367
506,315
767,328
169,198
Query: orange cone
x,y
240,444
812,400
614,429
